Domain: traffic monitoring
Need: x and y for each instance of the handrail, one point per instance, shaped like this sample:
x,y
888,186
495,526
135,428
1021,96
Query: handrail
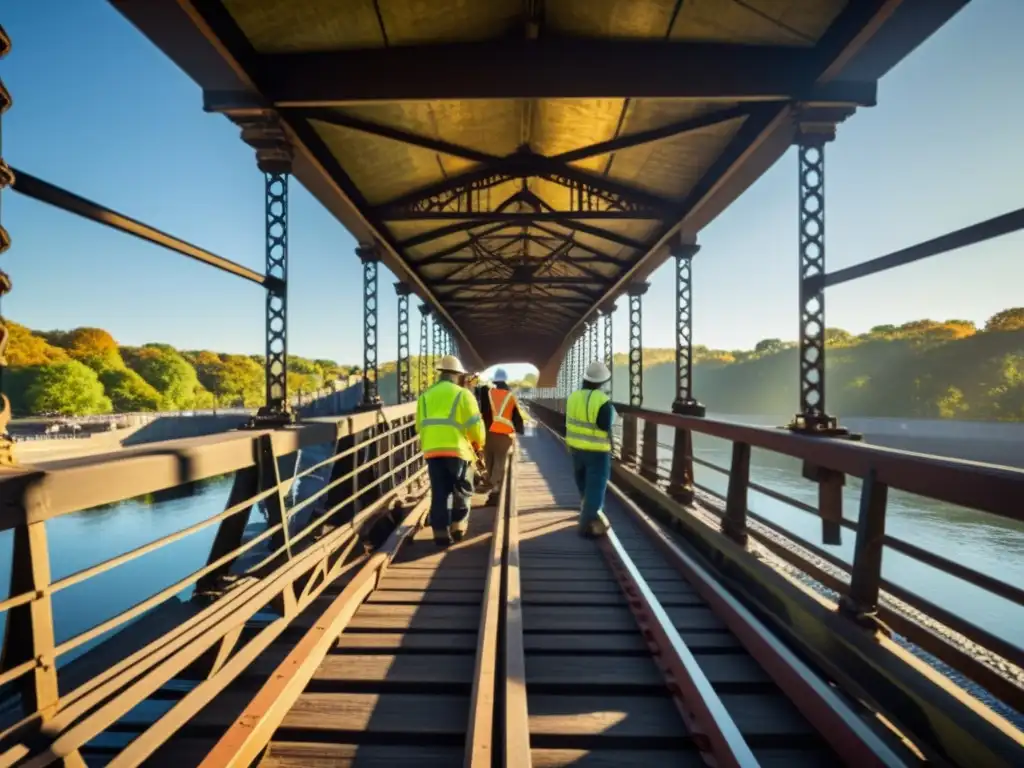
x,y
381,443
990,488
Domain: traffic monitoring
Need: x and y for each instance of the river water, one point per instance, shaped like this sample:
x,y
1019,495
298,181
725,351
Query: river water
x,y
988,544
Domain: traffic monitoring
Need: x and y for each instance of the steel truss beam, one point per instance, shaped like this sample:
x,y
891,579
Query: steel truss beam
x,y
276,366
467,192
424,346
608,359
552,68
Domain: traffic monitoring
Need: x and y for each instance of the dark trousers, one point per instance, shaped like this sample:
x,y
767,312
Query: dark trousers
x,y
444,473
591,470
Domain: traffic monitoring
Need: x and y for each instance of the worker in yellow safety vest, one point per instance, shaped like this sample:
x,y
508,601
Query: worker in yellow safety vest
x,y
451,435
503,420
589,415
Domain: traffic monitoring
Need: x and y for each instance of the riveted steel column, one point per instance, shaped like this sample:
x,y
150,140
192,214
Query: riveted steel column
x,y
424,347
595,353
636,347
368,255
608,360
6,180
438,352
681,477
264,133
404,369
813,416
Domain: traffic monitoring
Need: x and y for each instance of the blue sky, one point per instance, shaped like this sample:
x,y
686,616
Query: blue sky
x,y
100,111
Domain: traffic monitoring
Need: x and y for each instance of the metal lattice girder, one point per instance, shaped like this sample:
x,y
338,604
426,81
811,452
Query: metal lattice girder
x,y
371,379
276,199
424,346
608,358
685,402
404,369
594,345
636,345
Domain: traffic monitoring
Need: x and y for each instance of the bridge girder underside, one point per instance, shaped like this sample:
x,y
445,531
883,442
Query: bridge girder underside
x,y
520,162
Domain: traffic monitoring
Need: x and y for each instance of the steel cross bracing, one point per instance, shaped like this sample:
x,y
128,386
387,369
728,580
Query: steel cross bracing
x,y
371,395
636,346
6,180
404,368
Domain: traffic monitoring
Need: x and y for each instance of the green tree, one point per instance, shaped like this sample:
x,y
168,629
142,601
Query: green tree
x,y
232,379
167,372
1007,320
69,388
128,391
25,348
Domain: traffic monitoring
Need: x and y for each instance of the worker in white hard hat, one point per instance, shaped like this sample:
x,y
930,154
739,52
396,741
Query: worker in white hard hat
x,y
503,421
451,435
589,415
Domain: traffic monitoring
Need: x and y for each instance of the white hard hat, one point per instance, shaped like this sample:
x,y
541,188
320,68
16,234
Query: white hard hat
x,y
500,375
597,373
451,364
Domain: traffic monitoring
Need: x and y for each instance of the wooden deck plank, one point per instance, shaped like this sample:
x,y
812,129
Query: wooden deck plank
x,y
421,642
316,755
416,617
540,618
538,597
428,581
615,758
758,714
422,597
622,642
389,713
720,669
605,716
397,669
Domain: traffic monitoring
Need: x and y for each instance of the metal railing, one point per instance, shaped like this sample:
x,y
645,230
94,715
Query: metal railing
x,y
828,462
375,464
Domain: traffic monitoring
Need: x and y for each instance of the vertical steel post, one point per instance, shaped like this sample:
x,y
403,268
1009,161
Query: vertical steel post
x,y
6,180
371,395
636,347
404,369
685,403
608,359
421,385
595,353
264,133
813,416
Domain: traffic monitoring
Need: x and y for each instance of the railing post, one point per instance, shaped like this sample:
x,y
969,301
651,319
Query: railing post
x,y
6,180
368,255
29,632
636,345
628,449
608,311
685,404
230,531
861,604
270,478
734,521
424,348
649,457
404,371
266,135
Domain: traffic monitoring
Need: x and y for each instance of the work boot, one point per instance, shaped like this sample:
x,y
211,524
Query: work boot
x,y
457,531
442,539
492,499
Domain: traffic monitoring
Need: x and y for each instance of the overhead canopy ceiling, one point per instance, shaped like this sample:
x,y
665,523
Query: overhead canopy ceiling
x,y
519,162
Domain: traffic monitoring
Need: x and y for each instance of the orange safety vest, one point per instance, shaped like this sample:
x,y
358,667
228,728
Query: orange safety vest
x,y
502,404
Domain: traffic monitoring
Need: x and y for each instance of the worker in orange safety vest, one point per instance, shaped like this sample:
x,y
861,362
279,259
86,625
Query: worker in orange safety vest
x,y
500,412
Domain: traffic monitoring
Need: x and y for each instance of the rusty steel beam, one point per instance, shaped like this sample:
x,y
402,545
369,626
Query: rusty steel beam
x,y
51,194
551,68
519,218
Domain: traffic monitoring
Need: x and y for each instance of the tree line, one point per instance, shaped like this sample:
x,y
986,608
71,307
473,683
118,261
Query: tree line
x,y
921,369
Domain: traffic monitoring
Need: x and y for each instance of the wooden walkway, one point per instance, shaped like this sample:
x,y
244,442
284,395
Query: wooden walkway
x,y
396,687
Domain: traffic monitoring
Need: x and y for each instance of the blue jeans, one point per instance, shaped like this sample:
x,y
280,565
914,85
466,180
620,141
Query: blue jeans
x,y
591,470
444,473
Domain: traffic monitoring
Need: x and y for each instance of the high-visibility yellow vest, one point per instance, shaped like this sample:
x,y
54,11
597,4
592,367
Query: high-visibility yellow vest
x,y
503,402
448,421
581,431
